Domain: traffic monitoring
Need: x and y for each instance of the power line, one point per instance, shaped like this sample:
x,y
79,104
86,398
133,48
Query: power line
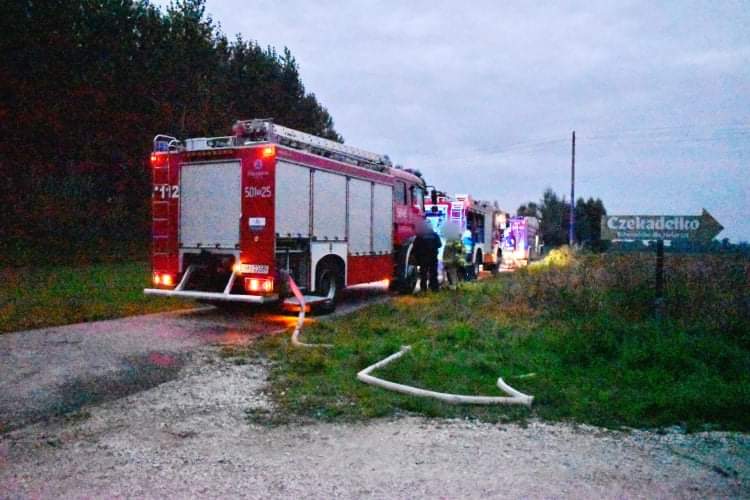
x,y
645,136
664,130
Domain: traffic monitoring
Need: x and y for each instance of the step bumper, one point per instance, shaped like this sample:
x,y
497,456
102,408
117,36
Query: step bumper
x,y
197,295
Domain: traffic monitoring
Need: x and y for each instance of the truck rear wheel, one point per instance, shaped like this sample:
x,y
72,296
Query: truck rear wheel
x,y
472,270
328,284
498,262
407,274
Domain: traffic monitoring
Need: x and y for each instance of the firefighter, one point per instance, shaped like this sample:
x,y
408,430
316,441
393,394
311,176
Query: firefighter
x,y
426,247
467,238
454,260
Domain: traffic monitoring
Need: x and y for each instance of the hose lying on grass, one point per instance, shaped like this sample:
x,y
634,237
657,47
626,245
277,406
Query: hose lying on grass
x,y
301,319
516,397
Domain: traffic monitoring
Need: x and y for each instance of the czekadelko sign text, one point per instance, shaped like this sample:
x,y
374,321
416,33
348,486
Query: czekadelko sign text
x,y
665,227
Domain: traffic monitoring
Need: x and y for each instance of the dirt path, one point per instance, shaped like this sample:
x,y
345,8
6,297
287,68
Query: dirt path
x,y
190,437
57,370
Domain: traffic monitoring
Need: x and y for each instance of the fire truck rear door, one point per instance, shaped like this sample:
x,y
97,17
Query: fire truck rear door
x,y
210,205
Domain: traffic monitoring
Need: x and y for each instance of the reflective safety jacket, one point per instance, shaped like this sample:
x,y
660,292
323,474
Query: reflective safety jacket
x,y
453,254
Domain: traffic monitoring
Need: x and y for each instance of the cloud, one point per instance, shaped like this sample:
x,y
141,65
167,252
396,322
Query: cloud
x,y
719,60
653,90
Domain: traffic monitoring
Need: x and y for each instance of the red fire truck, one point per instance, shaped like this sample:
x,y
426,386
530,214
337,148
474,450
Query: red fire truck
x,y
235,216
481,223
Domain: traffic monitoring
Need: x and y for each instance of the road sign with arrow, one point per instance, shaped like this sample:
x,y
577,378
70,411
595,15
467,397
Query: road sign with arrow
x,y
661,227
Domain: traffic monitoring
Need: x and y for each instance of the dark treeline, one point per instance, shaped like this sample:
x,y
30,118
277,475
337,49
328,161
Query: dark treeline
x,y
553,212
84,87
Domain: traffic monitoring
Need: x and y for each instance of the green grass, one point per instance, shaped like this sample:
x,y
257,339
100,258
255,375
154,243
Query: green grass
x,y
49,296
598,366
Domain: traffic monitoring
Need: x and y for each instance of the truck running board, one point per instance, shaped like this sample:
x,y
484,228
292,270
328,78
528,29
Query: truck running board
x,y
190,294
309,301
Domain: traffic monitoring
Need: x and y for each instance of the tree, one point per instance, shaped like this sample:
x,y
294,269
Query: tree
x,y
554,214
589,215
87,83
530,209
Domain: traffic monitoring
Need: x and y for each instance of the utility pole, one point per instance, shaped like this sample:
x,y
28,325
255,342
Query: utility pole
x,y
572,224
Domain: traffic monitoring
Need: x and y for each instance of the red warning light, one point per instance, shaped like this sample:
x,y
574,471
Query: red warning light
x,y
268,152
158,159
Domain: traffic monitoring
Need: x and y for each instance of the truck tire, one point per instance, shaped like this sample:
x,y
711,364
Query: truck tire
x,y
498,262
328,283
406,275
472,270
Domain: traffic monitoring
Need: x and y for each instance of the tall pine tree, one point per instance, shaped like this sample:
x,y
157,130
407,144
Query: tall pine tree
x,y
86,85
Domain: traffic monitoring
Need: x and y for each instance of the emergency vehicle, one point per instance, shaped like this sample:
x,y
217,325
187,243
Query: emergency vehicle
x,y
482,223
235,216
522,242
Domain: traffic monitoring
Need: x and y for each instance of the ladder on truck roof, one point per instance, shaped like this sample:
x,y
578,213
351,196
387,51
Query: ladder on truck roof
x,y
264,130
456,214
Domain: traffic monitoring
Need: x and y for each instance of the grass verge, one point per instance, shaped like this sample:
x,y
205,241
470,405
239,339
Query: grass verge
x,y
599,365
36,297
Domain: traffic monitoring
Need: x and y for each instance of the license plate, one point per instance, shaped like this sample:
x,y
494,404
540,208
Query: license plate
x,y
254,268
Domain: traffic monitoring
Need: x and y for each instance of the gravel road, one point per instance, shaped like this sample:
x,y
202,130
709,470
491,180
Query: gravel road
x,y
189,437
145,407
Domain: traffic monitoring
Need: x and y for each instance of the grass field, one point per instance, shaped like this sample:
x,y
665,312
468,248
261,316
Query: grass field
x,y
577,333
35,297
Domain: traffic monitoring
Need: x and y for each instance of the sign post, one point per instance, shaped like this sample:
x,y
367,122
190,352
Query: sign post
x,y
659,301
701,228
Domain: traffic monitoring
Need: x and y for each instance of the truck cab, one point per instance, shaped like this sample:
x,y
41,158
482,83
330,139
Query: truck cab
x,y
408,204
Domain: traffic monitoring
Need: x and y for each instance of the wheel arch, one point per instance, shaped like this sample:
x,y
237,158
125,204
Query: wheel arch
x,y
335,261
325,252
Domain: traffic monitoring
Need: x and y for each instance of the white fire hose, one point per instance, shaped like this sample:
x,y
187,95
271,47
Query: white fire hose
x,y
516,397
301,318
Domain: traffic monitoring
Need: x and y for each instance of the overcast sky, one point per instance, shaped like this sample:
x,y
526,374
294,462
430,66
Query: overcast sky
x,y
482,96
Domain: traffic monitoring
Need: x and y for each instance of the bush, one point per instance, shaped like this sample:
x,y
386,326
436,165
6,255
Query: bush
x,y
711,290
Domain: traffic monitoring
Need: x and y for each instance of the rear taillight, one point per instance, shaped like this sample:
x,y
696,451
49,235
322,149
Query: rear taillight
x,y
163,279
259,285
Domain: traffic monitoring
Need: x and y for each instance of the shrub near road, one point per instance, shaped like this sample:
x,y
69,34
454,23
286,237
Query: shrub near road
x,y
575,332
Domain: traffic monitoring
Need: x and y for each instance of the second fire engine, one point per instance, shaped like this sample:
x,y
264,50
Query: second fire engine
x,y
481,223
